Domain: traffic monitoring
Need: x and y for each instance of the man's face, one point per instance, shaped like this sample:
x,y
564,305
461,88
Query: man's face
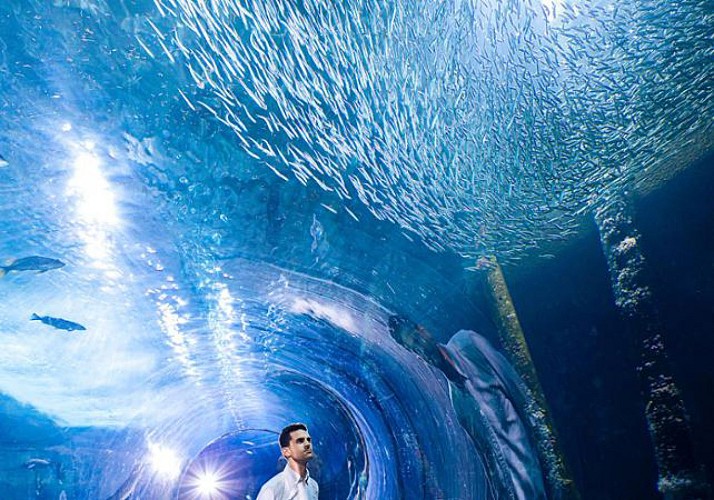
x,y
300,447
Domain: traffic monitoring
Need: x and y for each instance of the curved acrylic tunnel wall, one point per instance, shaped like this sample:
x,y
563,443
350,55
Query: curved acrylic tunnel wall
x,y
216,215
179,354
190,270
209,386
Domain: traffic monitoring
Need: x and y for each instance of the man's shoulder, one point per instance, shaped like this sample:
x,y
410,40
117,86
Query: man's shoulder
x,y
277,478
312,485
272,487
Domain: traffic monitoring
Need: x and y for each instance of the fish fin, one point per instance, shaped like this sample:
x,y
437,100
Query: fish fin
x,y
34,317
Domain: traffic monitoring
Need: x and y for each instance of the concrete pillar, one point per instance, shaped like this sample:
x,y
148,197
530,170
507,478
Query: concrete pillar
x,y
559,482
680,477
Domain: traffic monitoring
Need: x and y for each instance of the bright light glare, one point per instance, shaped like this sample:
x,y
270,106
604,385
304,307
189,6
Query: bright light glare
x,y
95,206
95,202
207,484
164,461
210,482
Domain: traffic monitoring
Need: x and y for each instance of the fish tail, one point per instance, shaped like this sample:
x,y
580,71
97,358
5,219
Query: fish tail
x,y
34,317
3,271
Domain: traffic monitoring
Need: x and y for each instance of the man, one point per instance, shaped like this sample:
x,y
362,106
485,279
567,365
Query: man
x,y
294,482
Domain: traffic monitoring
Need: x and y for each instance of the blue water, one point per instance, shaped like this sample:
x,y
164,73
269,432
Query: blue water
x,y
243,194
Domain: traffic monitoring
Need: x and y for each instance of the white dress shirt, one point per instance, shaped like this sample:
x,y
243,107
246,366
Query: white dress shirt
x,y
288,485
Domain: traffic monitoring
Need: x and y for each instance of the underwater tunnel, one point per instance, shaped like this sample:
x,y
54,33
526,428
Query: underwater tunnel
x,y
468,244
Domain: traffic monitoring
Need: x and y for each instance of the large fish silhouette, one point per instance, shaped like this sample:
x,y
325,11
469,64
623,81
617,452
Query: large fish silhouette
x,y
33,263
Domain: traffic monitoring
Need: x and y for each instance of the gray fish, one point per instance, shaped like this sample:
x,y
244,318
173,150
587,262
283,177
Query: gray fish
x,y
37,463
418,340
33,263
59,323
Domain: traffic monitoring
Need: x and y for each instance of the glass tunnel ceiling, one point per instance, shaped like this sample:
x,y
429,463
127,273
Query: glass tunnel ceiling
x,y
483,127
147,145
478,125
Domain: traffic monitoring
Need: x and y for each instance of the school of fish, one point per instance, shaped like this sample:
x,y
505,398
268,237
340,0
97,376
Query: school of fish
x,y
483,126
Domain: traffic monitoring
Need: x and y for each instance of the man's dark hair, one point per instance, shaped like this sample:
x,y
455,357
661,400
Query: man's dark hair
x,y
285,433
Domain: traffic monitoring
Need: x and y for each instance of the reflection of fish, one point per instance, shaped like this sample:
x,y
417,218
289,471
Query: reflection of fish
x,y
34,263
59,323
418,340
495,409
320,247
36,463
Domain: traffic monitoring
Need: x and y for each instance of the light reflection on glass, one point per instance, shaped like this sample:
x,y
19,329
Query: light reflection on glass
x,y
170,322
164,461
228,340
95,206
95,198
334,313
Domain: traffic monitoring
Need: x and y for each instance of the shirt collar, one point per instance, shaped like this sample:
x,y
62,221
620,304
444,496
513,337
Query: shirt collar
x,y
293,478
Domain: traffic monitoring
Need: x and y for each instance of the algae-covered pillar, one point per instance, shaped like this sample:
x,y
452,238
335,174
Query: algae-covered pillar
x,y
559,483
680,477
